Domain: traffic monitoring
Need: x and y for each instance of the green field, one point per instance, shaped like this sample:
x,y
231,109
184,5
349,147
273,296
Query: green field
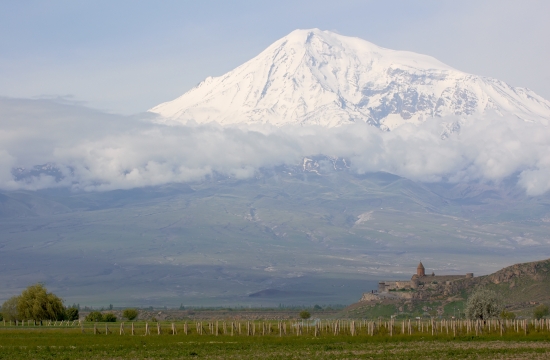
x,y
266,342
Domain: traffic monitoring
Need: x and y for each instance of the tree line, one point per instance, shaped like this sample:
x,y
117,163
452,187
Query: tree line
x,y
484,304
36,303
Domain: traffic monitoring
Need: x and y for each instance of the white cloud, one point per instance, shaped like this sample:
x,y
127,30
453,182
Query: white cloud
x,y
97,151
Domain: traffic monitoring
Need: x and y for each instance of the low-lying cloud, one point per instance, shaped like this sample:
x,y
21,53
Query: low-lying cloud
x,y
95,151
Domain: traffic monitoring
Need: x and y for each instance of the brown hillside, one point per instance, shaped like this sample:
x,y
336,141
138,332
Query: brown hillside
x,y
520,283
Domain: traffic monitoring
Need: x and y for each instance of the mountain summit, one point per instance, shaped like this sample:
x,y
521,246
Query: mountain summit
x,y
319,77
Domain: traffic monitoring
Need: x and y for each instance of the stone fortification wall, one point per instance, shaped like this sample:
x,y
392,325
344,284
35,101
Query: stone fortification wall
x,y
385,286
440,278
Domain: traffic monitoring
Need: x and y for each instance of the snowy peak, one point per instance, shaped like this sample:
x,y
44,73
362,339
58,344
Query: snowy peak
x,y
319,77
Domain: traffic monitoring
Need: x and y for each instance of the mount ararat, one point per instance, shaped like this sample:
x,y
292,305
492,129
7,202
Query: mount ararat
x,y
314,77
129,210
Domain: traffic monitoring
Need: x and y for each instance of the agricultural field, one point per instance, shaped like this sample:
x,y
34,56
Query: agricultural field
x,y
329,339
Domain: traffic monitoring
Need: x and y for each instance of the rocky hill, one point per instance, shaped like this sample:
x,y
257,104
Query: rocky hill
x,y
521,283
520,287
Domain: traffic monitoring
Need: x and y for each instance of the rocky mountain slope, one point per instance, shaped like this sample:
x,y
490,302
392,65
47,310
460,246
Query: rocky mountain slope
x,y
314,77
521,283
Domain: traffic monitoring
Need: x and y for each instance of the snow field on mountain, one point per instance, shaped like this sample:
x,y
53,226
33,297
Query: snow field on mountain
x,y
314,77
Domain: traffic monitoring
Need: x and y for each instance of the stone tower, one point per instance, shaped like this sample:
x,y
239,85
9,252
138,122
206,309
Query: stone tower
x,y
420,270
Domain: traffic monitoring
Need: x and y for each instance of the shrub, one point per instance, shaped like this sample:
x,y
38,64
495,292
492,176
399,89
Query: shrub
x,y
130,314
109,317
507,315
72,313
540,311
94,316
36,303
483,304
305,314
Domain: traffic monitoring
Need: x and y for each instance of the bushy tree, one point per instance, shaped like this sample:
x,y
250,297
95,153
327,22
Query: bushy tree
x,y
109,317
9,309
36,303
483,304
305,314
541,311
95,316
507,315
130,314
72,313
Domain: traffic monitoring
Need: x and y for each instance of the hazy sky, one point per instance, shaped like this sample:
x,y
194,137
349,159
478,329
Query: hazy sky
x,y
127,56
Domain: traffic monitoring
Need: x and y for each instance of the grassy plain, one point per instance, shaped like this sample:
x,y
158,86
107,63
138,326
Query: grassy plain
x,y
71,344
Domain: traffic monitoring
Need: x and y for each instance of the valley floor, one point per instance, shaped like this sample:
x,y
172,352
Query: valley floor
x,y
71,344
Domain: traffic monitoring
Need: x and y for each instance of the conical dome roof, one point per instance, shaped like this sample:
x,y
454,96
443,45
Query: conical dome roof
x,y
420,266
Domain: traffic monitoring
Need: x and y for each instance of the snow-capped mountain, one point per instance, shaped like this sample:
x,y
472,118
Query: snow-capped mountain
x,y
319,77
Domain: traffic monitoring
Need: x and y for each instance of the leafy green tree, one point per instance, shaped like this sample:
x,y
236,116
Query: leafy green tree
x,y
317,307
130,314
109,317
36,303
72,313
541,311
305,314
95,316
483,304
9,309
507,315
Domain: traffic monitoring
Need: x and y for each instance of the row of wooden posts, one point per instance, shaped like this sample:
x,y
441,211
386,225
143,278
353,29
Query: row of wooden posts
x,y
349,327
42,323
320,327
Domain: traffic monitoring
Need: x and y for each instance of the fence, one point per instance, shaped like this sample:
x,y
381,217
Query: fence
x,y
299,328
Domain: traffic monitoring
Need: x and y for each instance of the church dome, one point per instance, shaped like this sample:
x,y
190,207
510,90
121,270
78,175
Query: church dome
x,y
420,271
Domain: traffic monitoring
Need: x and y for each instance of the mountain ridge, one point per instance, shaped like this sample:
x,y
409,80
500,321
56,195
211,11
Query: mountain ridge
x,y
314,77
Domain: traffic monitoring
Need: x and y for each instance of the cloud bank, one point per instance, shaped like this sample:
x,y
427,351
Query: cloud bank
x,y
95,151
